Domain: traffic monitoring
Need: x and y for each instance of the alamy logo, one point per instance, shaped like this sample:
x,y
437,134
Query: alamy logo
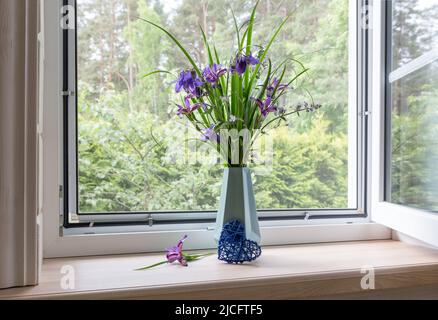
x,y
68,278
68,17
235,147
368,281
367,17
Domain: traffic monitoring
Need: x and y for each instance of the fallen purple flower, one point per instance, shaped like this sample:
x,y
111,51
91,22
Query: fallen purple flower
x,y
175,254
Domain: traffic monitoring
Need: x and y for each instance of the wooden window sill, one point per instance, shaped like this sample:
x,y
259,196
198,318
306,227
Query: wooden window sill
x,y
286,272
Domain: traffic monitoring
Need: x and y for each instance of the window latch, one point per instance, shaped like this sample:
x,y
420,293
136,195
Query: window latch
x,y
68,93
150,220
365,114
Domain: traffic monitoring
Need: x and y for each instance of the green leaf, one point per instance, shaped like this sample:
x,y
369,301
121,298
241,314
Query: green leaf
x,y
195,257
224,86
237,30
243,38
298,75
234,93
207,46
152,266
285,61
268,77
218,61
290,82
279,81
155,72
249,40
265,85
250,29
184,51
265,52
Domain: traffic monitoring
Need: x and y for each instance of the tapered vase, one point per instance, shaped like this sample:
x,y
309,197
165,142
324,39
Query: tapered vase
x,y
237,225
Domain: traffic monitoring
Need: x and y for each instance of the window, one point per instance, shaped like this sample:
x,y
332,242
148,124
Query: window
x,y
110,202
412,101
123,153
404,120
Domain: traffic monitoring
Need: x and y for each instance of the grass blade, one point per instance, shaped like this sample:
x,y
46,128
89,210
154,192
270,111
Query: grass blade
x,y
155,72
207,47
237,30
218,61
298,75
265,53
243,39
152,266
250,29
171,36
249,40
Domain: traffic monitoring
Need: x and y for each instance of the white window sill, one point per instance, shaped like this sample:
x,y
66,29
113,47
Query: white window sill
x,y
287,272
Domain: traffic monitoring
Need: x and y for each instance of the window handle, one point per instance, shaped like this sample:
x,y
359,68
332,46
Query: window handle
x,y
68,93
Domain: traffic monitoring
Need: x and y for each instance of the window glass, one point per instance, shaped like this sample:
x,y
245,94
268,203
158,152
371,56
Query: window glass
x,y
413,99
129,137
414,135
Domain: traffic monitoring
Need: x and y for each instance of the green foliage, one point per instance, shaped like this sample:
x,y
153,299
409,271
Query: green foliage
x,y
309,171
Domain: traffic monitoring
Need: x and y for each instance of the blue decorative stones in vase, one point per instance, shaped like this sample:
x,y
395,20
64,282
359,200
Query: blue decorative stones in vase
x,y
237,225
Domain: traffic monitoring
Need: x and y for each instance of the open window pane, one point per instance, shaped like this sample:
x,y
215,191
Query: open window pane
x,y
414,135
131,146
413,96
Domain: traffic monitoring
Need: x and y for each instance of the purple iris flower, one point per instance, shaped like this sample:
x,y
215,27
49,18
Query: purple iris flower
x,y
275,85
175,253
266,106
213,73
188,108
209,134
242,62
190,82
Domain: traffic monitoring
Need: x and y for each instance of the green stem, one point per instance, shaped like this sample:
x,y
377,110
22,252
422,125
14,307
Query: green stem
x,y
152,266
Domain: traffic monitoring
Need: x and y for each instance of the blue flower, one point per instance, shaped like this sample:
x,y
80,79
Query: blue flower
x,y
190,82
242,62
213,73
188,108
266,106
275,85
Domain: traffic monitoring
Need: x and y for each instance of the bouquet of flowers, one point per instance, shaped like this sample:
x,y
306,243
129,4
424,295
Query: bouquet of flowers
x,y
231,104
241,94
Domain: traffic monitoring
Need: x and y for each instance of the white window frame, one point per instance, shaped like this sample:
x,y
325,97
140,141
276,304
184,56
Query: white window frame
x,y
61,242
416,223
